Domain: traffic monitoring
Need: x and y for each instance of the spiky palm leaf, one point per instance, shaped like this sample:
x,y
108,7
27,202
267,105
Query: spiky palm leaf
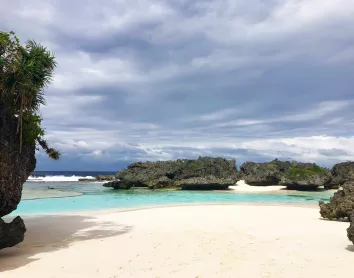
x,y
24,72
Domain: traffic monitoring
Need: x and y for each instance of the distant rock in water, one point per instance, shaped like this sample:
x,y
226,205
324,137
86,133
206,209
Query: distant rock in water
x,y
306,176
342,173
294,175
204,173
341,205
98,178
264,174
118,185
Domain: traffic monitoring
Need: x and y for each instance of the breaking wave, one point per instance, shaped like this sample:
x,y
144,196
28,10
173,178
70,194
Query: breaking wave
x,y
57,178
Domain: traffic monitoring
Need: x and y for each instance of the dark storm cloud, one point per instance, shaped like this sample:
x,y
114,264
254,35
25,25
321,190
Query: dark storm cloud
x,y
158,79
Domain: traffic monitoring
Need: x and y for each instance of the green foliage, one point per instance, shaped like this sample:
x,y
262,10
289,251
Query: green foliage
x,y
24,73
33,131
296,171
195,164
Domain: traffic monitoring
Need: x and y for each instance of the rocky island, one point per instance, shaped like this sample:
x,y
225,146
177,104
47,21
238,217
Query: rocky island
x,y
294,175
204,173
207,173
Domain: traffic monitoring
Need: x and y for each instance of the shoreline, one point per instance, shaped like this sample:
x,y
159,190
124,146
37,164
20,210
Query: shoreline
x,y
194,240
128,209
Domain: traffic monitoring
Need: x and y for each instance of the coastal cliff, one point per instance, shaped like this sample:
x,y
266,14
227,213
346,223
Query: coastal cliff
x,y
25,70
15,167
204,173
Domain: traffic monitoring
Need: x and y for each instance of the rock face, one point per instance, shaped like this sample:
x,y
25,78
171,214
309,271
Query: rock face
x,y
306,176
206,183
11,233
294,175
202,173
350,230
118,185
15,168
263,174
342,173
341,205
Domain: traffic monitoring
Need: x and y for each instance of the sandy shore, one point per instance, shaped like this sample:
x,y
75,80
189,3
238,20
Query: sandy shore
x,y
184,241
241,186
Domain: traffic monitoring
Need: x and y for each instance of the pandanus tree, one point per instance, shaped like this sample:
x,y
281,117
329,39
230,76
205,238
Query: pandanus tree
x,y
25,71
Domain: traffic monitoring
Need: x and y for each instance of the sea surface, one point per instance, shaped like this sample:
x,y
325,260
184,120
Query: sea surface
x,y
47,193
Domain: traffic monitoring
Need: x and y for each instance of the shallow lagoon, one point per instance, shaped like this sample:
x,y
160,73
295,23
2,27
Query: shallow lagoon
x,y
93,196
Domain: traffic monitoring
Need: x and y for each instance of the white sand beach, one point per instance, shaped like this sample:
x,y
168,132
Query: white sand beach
x,y
183,241
241,186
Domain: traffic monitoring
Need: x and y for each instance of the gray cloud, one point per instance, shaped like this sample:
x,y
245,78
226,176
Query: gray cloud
x,y
158,79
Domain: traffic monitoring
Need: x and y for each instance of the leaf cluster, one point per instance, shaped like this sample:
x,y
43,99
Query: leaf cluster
x,y
25,71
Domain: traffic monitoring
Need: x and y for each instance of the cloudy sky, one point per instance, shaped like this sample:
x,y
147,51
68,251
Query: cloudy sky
x,y
165,79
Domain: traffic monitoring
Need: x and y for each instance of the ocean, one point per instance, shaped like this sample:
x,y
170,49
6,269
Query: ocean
x,y
62,176
50,192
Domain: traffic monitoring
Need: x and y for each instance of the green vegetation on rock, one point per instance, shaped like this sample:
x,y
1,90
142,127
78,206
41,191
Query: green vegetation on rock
x,y
300,171
24,73
202,173
306,176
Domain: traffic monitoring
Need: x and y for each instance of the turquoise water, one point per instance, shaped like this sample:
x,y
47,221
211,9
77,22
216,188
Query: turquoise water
x,y
95,197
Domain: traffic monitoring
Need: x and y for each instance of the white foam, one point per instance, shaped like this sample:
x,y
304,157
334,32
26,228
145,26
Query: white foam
x,y
58,178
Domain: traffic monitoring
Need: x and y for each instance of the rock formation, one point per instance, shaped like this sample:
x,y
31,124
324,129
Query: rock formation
x,y
306,176
206,183
341,205
263,174
15,167
350,230
118,185
11,233
98,178
294,175
202,173
342,173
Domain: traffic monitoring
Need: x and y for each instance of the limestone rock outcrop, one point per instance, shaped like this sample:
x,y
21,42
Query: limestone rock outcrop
x,y
341,205
294,175
202,173
342,173
263,174
15,168
306,176
11,233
